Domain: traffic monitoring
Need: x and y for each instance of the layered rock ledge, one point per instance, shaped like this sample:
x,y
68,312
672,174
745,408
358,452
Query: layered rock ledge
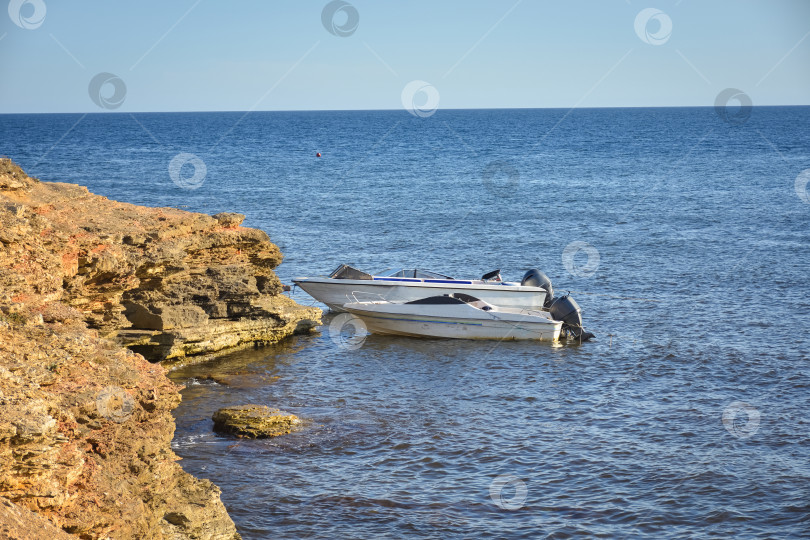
x,y
90,290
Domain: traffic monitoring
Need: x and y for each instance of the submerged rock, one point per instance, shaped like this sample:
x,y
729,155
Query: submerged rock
x,y
254,421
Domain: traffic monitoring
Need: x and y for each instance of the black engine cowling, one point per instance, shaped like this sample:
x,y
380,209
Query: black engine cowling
x,y
567,310
536,278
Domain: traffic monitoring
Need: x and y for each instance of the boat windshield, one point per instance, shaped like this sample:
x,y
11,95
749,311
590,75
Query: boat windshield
x,y
344,271
411,273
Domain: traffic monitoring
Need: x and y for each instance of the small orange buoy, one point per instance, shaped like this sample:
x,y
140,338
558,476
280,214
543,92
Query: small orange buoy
x,y
318,154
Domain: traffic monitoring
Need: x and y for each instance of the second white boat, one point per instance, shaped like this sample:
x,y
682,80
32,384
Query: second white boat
x,y
347,283
458,316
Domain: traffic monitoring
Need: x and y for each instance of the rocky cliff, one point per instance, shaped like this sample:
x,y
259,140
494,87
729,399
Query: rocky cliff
x,y
85,424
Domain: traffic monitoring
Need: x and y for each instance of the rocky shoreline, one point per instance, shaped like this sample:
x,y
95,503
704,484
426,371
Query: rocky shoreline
x,y
93,293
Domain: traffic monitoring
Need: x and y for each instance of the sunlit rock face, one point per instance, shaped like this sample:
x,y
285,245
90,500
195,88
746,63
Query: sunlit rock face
x,y
86,424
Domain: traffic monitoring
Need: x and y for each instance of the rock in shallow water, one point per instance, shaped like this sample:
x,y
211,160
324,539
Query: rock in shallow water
x,y
254,421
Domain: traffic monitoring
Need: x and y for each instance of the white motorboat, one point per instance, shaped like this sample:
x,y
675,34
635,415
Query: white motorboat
x,y
459,316
347,284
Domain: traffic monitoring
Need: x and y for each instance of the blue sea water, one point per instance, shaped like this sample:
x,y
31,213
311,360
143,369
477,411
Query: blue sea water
x,y
683,236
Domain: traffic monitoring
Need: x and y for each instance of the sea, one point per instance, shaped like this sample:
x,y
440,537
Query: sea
x,y
683,234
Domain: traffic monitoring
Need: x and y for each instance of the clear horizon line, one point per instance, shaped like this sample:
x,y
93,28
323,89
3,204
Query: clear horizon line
x,y
404,110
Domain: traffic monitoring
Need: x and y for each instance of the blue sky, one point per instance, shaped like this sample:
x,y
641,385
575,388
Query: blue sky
x,y
195,55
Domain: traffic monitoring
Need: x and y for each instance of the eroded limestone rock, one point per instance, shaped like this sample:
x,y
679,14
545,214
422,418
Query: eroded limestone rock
x,y
85,433
254,421
229,219
190,281
86,425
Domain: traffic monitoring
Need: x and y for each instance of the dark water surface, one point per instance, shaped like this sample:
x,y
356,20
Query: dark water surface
x,y
696,286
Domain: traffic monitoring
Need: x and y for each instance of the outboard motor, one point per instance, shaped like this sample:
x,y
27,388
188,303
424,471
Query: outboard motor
x,y
567,310
536,278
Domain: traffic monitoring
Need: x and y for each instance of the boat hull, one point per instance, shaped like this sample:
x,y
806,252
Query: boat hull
x,y
336,292
454,327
